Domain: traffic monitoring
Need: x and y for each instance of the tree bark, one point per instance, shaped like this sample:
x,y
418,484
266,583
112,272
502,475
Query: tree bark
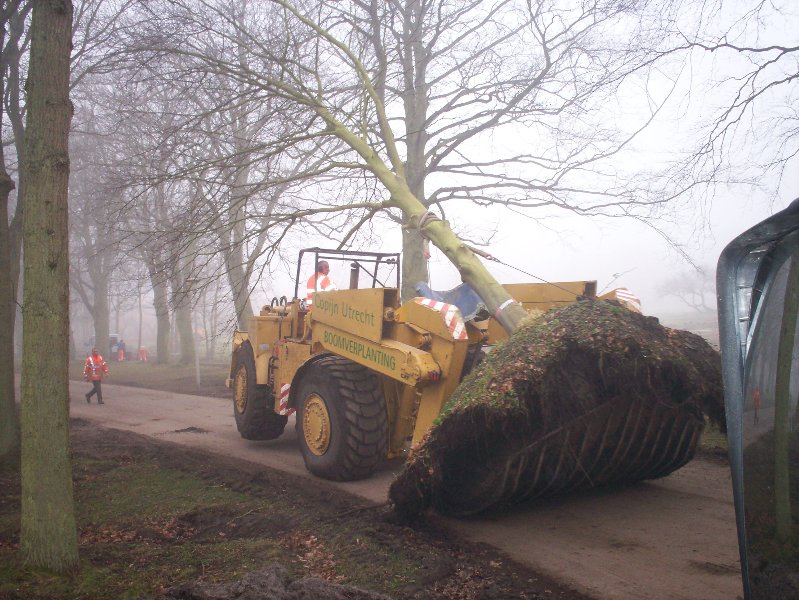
x,y
414,260
182,297
415,103
141,320
414,264
240,285
48,536
101,313
239,268
186,333
9,419
161,305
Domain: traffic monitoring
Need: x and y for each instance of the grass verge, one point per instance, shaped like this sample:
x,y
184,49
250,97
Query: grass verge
x,y
151,515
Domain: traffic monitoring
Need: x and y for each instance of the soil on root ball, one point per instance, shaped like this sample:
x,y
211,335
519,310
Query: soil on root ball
x,y
587,395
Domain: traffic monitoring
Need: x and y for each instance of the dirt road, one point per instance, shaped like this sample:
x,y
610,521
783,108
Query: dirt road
x,y
668,539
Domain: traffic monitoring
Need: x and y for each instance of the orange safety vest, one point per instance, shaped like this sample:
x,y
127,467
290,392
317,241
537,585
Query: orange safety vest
x,y
324,284
95,368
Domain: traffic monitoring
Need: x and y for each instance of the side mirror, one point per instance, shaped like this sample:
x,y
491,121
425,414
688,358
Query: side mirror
x,y
757,283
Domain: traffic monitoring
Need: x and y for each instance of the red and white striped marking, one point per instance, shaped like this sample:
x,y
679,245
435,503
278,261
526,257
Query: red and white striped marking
x,y
451,315
625,295
284,400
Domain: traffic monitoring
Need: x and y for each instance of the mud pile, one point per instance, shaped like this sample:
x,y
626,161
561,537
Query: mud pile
x,y
587,395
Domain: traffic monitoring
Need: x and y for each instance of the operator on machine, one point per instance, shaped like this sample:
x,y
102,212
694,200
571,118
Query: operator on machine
x,y
319,282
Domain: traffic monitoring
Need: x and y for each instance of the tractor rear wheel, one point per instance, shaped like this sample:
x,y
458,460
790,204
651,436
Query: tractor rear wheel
x,y
341,418
252,403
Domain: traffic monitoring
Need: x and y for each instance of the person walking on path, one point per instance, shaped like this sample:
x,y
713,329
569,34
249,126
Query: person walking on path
x,y
121,350
93,371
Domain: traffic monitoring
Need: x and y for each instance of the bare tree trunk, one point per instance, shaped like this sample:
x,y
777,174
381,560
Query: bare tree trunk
x,y
48,536
9,419
173,334
15,14
101,313
182,299
117,304
141,320
73,348
415,104
186,333
414,261
238,275
240,286
214,323
161,305
206,318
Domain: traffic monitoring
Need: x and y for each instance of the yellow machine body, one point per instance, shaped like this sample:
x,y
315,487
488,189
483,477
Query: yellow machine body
x,y
410,347
418,350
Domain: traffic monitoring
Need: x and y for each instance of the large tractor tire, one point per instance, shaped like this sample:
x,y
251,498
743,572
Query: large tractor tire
x,y
252,403
341,418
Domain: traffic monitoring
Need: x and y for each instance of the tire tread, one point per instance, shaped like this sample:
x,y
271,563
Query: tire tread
x,y
362,409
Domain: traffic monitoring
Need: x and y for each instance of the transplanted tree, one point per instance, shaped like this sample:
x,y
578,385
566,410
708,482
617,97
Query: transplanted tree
x,y
506,104
460,73
48,536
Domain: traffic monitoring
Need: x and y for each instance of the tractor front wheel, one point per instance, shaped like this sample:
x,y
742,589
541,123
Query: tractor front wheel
x,y
341,418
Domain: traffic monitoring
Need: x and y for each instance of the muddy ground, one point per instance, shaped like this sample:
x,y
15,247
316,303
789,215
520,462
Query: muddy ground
x,y
669,538
317,531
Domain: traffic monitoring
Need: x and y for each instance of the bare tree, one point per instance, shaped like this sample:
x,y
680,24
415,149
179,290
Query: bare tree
x,y
126,214
95,237
696,289
330,125
460,74
226,195
13,17
505,104
749,132
48,535
93,27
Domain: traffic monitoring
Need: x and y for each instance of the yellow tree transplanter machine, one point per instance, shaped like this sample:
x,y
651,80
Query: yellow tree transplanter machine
x,y
364,373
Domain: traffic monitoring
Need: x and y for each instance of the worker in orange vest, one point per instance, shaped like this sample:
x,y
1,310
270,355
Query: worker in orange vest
x,y
319,282
93,371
